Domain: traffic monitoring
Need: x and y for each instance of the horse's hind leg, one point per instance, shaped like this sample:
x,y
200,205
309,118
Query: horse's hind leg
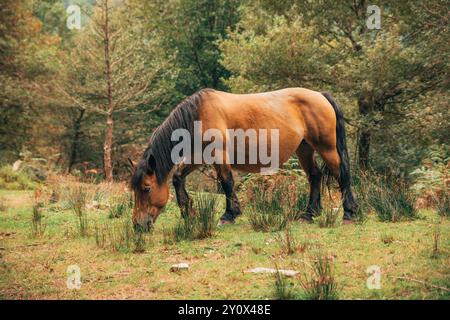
x,y
179,183
333,162
305,154
233,208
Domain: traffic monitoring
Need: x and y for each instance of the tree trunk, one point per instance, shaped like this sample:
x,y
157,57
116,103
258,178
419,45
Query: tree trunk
x,y
107,148
365,108
75,140
364,148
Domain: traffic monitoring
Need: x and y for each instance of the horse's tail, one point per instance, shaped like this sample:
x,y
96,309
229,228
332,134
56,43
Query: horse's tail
x,y
341,145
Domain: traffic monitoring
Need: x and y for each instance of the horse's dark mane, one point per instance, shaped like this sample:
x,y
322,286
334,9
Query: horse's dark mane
x,y
160,145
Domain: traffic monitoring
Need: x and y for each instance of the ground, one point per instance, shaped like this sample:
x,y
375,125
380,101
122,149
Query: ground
x,y
36,268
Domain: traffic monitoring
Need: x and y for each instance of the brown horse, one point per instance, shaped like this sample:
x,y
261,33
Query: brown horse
x,y
306,120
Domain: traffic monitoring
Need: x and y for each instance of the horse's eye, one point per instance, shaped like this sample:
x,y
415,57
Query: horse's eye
x,y
146,189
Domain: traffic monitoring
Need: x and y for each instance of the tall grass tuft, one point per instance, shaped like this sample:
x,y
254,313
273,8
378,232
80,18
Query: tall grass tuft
x,y
267,213
282,290
328,218
288,242
321,283
436,240
118,235
77,203
37,226
206,215
392,200
200,224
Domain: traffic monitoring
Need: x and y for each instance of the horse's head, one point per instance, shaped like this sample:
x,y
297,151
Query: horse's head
x,y
149,194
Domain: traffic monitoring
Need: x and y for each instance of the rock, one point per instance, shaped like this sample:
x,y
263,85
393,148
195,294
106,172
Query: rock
x,y
179,267
16,165
287,273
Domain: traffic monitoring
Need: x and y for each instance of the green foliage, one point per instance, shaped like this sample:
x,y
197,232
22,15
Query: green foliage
x,y
15,180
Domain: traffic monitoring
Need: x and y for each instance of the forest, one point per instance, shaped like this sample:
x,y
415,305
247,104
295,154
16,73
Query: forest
x,y
85,83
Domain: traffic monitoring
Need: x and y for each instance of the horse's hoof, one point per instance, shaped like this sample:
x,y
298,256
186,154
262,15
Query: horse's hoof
x,y
305,219
225,222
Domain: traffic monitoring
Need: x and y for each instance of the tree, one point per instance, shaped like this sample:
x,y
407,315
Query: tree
x,y
191,29
113,69
327,45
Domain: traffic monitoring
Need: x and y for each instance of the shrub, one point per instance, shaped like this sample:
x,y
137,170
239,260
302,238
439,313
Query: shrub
x,y
15,180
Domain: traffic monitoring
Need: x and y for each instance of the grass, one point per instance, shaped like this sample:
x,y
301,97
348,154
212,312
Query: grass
x,y
282,288
201,224
77,203
392,202
267,213
321,283
328,218
36,268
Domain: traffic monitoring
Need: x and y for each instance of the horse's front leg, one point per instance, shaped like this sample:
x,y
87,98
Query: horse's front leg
x,y
179,183
233,209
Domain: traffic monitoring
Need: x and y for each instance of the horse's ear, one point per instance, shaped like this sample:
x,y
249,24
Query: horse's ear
x,y
131,166
152,163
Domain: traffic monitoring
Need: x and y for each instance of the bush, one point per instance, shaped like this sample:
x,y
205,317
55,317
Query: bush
x,y
15,180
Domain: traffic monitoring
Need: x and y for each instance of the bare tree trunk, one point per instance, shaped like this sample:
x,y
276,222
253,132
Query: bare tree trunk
x,y
364,148
107,149
364,107
75,140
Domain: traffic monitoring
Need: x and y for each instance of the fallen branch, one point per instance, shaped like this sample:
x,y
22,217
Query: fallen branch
x,y
421,282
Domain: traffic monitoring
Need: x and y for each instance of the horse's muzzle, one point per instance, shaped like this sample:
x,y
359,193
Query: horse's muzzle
x,y
144,226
